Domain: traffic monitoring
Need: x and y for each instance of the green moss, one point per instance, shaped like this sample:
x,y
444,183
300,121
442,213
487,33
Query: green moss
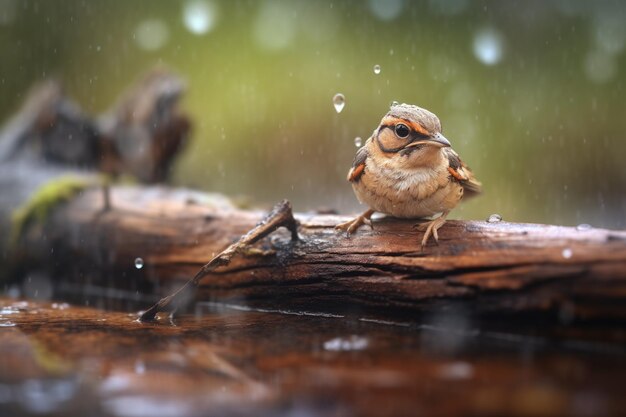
x,y
40,205
50,362
253,252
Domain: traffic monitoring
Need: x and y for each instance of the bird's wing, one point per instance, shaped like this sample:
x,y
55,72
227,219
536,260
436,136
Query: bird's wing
x,y
462,173
358,165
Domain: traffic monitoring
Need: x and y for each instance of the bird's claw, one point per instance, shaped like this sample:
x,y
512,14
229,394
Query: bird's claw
x,y
352,225
421,227
349,227
431,229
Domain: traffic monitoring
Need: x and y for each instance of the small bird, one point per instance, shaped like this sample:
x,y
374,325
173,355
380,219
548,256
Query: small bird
x,y
407,169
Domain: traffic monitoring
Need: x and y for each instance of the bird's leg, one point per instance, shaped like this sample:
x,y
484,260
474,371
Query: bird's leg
x,y
350,226
431,227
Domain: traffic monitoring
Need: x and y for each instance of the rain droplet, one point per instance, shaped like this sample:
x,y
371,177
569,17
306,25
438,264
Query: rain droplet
x,y
567,253
376,69
352,342
494,218
339,101
358,141
138,263
584,227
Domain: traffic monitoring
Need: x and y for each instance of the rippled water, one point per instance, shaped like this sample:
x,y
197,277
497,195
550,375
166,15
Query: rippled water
x,y
235,359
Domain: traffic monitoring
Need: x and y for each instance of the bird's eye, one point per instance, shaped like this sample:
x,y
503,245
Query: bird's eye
x,y
402,130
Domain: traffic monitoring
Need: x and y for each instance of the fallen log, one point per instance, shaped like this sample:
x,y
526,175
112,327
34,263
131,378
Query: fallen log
x,y
153,239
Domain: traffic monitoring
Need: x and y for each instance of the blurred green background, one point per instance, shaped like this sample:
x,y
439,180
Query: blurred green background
x,y
531,93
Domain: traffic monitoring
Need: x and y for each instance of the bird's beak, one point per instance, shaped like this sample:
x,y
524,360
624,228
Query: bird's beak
x,y
437,139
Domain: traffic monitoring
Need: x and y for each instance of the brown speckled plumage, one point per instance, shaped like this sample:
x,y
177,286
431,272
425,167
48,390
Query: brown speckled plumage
x,y
407,169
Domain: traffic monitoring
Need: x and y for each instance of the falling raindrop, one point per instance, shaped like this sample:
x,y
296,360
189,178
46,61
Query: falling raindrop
x,y
339,101
584,227
494,218
358,142
567,253
376,69
138,263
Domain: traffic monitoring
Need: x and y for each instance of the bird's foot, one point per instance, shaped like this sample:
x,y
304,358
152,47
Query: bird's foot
x,y
422,226
430,229
352,225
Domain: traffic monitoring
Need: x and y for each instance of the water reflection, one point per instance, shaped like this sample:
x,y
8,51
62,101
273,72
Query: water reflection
x,y
234,360
349,343
42,396
138,406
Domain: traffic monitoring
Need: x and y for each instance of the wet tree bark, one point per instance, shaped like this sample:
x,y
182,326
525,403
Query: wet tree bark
x,y
487,268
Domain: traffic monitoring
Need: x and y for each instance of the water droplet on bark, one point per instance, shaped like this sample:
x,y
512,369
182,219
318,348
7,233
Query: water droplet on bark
x,y
138,263
494,218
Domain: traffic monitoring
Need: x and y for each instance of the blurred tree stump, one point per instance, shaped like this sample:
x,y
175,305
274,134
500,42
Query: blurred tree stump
x,y
51,137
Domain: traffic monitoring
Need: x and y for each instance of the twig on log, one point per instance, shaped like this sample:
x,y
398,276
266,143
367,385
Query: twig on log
x,y
280,216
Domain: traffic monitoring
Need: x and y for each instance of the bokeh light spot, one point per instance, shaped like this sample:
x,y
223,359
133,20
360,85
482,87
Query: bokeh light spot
x,y
151,34
488,46
199,17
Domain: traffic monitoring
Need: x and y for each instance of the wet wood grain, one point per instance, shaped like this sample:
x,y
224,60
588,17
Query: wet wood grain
x,y
490,268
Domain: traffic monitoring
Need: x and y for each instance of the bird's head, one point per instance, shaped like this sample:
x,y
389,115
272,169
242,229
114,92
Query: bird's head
x,y
411,135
